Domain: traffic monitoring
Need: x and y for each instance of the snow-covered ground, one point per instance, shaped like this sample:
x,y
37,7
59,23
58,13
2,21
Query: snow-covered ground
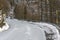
x,y
50,29
23,30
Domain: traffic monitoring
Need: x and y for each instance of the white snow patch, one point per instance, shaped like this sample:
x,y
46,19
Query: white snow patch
x,y
4,28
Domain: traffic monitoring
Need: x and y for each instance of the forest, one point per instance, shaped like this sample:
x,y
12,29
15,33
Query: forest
x,y
32,10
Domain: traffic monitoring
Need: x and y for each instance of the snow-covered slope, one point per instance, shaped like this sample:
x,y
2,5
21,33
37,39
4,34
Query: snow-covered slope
x,y
49,29
22,30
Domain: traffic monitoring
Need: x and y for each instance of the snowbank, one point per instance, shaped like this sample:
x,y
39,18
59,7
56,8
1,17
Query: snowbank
x,y
49,28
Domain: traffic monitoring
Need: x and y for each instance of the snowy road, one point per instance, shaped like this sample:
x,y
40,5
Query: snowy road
x,y
20,30
23,30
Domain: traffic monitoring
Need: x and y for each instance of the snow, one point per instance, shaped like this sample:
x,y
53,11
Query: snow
x,y
5,27
49,28
22,30
53,29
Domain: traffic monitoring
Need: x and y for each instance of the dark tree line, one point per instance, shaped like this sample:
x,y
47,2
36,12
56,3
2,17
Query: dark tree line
x,y
35,10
